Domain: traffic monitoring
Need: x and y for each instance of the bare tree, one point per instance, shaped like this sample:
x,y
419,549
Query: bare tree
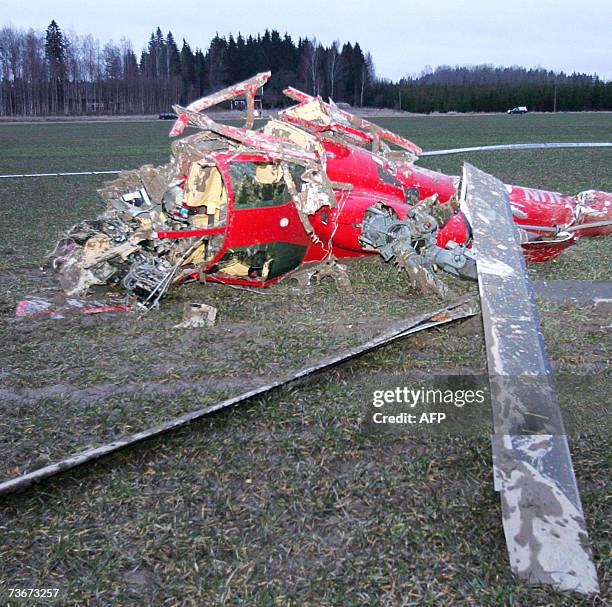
x,y
332,65
312,57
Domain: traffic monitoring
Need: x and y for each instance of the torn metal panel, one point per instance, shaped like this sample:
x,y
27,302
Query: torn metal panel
x,y
376,133
281,148
247,87
542,514
303,139
462,308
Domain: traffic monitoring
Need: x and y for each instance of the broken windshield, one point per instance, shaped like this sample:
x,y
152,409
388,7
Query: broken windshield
x,y
258,184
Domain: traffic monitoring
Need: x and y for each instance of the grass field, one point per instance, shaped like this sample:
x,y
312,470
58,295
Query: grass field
x,y
286,501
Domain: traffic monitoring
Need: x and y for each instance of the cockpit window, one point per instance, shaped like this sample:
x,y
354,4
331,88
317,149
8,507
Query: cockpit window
x,y
260,262
258,184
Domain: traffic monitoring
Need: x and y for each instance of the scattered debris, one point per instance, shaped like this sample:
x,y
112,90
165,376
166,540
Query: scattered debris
x,y
197,315
37,305
326,269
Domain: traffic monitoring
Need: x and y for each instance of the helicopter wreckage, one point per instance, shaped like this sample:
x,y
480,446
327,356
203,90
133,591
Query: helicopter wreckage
x,y
315,185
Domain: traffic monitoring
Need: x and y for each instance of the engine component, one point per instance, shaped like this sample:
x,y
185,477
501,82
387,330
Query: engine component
x,y
412,242
148,277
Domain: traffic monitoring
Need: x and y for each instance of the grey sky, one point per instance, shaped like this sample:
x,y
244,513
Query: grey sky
x,y
403,37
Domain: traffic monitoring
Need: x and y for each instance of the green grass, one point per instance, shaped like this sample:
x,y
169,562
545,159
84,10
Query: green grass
x,y
49,147
441,132
287,500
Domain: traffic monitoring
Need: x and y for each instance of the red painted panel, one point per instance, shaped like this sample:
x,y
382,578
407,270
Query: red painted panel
x,y
426,182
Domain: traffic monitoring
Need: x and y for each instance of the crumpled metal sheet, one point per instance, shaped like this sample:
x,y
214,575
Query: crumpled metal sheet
x,y
196,315
336,116
542,515
247,87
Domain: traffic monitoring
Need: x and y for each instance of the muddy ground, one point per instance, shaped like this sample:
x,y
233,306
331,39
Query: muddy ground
x,y
79,380
285,500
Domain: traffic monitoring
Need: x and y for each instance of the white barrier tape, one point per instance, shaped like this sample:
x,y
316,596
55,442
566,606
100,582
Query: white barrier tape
x,y
59,174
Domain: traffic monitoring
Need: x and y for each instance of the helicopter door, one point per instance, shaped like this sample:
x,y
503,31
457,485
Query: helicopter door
x,y
265,238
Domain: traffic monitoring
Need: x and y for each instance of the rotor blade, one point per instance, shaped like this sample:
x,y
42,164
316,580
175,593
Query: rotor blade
x,y
462,308
517,146
542,515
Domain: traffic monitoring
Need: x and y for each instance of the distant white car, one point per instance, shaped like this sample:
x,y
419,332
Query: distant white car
x,y
521,109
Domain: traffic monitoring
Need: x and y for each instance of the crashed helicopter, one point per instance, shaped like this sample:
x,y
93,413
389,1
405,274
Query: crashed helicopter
x,y
318,184
313,185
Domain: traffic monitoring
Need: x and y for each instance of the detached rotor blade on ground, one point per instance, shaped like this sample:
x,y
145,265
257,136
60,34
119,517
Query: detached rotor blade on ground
x,y
65,174
463,308
542,515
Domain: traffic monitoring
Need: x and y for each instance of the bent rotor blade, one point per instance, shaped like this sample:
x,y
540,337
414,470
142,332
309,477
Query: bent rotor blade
x,y
542,515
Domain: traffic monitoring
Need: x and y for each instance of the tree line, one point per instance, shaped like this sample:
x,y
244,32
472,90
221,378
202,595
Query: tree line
x,y
486,88
54,73
48,73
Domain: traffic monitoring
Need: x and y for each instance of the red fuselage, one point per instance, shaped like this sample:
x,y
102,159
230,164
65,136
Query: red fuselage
x,y
362,178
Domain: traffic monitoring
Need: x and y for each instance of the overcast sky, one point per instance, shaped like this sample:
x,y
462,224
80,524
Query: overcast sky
x,y
403,36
